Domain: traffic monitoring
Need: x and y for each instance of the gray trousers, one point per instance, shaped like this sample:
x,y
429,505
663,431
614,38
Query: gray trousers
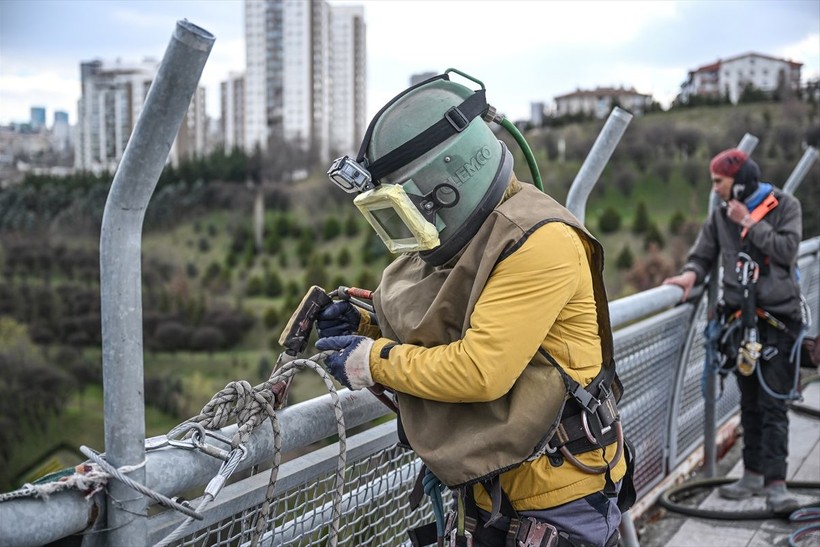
x,y
592,519
764,418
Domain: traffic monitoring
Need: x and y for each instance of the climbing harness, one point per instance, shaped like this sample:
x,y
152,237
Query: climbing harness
x,y
590,422
738,336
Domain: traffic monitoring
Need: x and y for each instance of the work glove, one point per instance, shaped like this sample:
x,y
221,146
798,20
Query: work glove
x,y
350,361
338,319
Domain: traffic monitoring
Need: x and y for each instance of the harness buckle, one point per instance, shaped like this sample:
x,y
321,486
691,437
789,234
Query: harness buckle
x,y
607,411
468,538
537,534
585,399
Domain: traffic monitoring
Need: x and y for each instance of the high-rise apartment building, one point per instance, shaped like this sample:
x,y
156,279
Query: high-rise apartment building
x,y
38,118
190,141
232,111
112,98
304,79
61,131
349,79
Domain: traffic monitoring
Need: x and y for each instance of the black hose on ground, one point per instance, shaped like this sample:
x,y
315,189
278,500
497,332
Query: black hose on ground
x,y
804,409
667,500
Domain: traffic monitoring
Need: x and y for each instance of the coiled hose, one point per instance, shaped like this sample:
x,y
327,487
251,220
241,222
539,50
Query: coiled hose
x,y
809,512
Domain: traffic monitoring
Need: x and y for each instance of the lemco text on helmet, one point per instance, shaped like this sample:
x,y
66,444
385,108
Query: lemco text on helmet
x,y
470,168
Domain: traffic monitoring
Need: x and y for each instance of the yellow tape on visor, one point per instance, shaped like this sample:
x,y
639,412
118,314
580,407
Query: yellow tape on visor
x,y
396,219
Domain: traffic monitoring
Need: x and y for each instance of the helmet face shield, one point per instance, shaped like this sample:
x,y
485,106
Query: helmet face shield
x,y
396,219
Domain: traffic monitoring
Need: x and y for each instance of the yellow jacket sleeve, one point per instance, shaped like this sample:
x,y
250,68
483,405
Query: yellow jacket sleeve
x,y
539,295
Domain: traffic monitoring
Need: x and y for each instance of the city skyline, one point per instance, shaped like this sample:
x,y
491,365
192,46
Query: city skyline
x,y
524,52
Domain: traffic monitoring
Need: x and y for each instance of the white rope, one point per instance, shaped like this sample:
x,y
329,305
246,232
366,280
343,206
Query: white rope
x,y
86,478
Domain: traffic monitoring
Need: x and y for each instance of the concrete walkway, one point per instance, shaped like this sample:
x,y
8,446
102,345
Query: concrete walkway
x,y
662,528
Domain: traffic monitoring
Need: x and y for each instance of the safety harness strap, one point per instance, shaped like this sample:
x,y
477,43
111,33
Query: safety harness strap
x,y
599,412
454,121
599,398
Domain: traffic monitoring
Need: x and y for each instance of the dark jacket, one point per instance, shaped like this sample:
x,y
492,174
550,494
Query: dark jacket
x,y
774,241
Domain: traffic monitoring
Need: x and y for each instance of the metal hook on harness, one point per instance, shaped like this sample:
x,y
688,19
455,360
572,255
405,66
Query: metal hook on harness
x,y
588,431
598,470
747,269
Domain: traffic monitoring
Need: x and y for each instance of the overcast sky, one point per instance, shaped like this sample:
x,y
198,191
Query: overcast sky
x,y
524,51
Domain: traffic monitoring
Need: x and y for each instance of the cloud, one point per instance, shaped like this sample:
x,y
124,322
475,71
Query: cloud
x,y
49,89
226,56
523,50
806,51
141,19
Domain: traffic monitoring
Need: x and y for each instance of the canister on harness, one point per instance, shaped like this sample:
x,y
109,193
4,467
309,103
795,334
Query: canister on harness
x,y
749,352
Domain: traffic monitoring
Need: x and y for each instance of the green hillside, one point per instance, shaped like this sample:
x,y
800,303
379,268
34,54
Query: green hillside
x,y
218,287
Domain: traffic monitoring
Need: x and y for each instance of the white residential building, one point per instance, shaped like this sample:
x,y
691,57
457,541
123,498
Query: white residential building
x,y
306,83
304,79
263,70
348,78
112,98
191,141
232,112
600,101
729,77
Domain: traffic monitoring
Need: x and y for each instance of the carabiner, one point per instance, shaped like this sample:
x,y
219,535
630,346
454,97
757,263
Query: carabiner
x,y
183,429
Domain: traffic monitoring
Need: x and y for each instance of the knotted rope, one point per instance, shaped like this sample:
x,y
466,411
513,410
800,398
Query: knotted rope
x,y
250,407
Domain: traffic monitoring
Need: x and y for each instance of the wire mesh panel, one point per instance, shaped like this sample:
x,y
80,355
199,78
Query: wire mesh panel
x,y
810,287
687,418
375,507
648,353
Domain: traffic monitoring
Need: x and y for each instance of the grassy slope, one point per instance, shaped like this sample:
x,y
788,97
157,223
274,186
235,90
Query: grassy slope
x,y
57,445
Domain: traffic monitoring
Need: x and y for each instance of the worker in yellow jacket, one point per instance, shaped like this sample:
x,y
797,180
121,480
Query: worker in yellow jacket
x,y
491,327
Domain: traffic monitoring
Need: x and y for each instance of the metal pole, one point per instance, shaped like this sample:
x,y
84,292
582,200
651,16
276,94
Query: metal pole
x,y
596,160
803,166
120,272
747,144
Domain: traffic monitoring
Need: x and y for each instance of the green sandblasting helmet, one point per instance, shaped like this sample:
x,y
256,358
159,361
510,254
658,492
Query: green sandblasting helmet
x,y
456,183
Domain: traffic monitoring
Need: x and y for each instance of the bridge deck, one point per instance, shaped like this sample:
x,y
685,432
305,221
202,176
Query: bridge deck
x,y
662,528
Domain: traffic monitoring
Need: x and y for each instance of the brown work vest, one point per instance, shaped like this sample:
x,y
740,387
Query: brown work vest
x,y
430,306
